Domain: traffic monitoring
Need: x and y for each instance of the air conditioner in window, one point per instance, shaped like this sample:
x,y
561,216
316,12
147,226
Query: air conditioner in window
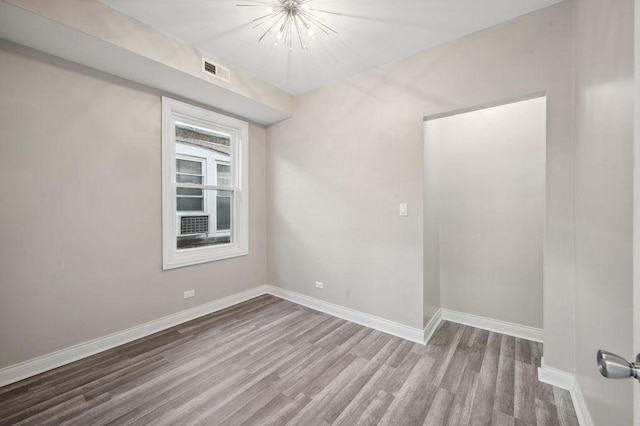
x,y
192,225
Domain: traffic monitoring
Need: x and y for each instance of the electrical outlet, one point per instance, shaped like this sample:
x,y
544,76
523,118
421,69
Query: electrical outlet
x,y
189,293
319,284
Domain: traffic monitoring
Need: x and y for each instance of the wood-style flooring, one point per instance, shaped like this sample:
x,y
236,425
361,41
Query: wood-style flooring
x,y
272,362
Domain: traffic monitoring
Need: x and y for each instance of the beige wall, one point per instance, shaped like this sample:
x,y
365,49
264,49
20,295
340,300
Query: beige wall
x,y
106,23
491,205
431,294
353,151
604,176
81,210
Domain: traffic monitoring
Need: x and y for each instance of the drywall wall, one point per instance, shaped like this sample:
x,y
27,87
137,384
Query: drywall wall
x,y
81,210
431,294
491,164
603,201
107,24
353,151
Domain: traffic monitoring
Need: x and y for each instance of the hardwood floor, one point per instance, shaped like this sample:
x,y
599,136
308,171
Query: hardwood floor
x,y
271,362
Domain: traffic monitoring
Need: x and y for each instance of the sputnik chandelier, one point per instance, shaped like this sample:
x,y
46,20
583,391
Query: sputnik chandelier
x,y
290,20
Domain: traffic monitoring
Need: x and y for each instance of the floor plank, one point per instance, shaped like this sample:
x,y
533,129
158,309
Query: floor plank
x,y
271,362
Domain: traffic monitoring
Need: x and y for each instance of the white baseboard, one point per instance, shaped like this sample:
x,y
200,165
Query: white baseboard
x,y
568,381
498,326
65,356
59,358
23,370
555,377
16,372
431,326
580,405
413,334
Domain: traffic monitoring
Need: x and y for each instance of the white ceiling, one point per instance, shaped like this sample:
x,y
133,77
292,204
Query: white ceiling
x,y
371,33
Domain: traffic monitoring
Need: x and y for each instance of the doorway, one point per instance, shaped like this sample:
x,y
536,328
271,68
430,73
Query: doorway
x,y
484,210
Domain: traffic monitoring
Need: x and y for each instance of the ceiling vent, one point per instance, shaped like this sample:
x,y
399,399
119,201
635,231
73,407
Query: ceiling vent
x,y
216,70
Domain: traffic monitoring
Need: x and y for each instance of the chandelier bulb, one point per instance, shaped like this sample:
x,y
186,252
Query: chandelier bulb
x,y
290,19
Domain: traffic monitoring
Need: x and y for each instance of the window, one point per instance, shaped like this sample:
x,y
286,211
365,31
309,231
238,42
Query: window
x,y
189,171
204,185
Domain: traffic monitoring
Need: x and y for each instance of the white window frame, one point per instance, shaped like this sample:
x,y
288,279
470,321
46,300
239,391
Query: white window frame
x,y
238,133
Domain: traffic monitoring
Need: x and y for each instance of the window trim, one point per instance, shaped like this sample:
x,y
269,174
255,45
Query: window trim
x,y
237,131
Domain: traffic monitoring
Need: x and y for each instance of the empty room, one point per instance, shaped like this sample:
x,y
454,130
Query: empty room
x,y
319,212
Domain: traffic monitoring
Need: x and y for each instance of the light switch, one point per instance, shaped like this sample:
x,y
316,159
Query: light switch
x,y
403,209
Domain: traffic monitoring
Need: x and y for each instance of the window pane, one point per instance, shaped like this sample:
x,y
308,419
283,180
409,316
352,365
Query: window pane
x,y
189,134
223,212
189,191
190,204
210,227
188,166
188,179
211,147
224,174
